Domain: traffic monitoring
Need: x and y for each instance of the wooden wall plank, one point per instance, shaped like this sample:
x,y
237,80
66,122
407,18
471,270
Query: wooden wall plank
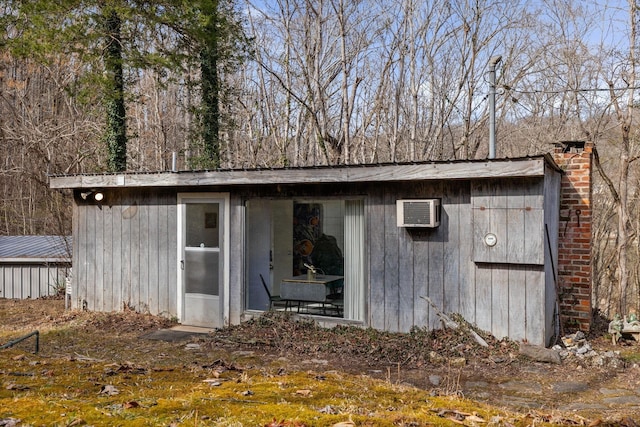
x,y
407,301
535,298
159,291
97,255
90,247
500,301
237,274
83,278
436,270
151,238
515,225
534,237
534,192
78,284
517,302
172,264
157,236
483,278
116,254
108,256
481,203
422,309
498,221
137,223
375,212
130,244
390,260
452,245
144,223
436,280
466,276
552,187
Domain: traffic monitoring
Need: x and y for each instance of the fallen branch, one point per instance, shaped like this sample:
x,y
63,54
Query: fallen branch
x,y
450,323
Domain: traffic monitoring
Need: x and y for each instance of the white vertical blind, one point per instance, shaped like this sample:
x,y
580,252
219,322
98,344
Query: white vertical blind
x,y
354,260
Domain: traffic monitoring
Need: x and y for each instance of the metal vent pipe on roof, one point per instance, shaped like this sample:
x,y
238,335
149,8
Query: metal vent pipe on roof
x,y
493,61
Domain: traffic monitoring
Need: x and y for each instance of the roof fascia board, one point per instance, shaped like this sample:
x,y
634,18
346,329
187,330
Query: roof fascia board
x,y
518,168
27,260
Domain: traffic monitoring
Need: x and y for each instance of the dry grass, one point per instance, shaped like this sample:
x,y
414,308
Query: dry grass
x,y
95,369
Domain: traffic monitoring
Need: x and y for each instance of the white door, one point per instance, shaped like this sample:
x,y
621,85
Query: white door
x,y
202,257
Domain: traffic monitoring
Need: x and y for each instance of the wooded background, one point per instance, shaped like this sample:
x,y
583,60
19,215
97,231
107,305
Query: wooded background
x,y
316,82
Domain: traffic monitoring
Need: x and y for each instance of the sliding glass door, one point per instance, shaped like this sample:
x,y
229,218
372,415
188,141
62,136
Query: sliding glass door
x,y
288,239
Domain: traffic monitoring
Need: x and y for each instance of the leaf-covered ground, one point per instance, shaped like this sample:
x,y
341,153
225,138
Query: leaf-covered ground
x,y
98,369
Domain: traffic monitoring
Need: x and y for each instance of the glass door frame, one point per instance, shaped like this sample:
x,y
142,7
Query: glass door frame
x,y
224,200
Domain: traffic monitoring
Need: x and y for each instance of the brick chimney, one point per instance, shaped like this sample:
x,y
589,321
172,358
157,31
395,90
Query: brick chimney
x,y
574,242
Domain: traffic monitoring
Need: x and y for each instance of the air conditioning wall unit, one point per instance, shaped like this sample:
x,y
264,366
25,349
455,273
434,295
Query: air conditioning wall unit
x,y
418,213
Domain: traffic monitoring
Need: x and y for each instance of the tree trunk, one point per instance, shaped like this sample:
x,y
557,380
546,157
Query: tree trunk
x,y
116,135
211,86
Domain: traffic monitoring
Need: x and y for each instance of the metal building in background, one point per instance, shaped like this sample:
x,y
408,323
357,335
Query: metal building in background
x,y
34,266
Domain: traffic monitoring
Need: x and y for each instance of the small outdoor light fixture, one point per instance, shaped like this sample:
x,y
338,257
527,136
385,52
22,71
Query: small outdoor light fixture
x,y
97,195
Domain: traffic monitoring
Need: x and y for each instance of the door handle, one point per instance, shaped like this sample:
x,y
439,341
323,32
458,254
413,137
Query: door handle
x,y
182,264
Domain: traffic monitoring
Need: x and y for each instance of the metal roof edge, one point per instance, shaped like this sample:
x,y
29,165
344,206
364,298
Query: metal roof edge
x,y
423,170
27,260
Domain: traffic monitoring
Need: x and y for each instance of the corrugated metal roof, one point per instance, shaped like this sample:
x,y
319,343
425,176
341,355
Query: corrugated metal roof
x,y
35,247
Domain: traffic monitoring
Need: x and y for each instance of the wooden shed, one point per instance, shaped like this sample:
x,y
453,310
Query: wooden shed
x,y
479,238
33,266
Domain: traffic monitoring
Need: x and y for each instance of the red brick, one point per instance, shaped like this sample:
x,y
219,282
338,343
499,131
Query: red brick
x,y
574,243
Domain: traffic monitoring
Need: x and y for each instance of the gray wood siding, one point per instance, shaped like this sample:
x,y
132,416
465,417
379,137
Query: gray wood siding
x,y
376,231
31,280
125,252
552,188
505,297
236,260
513,211
407,264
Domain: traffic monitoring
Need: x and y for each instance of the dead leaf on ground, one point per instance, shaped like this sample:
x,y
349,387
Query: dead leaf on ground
x,y
169,369
305,392
10,422
109,390
349,423
283,423
132,404
14,386
474,418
